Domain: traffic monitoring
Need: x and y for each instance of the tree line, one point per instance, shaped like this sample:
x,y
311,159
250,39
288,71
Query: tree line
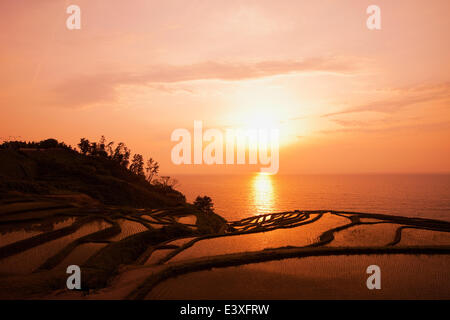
x,y
148,170
44,144
120,153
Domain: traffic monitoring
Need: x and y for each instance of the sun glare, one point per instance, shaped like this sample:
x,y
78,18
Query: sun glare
x,y
261,106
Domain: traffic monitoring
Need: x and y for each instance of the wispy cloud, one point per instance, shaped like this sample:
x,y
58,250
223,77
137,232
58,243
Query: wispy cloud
x,y
242,71
440,125
401,99
89,89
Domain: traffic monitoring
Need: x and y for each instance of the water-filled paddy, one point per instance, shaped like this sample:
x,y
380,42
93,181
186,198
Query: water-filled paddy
x,y
343,277
298,236
29,260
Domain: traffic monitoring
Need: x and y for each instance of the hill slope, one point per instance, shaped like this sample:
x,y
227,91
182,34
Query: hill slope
x,y
62,170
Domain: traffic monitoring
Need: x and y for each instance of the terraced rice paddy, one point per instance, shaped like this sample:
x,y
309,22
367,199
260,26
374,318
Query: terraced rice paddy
x,y
151,253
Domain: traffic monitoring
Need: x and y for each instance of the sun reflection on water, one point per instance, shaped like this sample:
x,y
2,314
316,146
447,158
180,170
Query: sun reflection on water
x,y
263,193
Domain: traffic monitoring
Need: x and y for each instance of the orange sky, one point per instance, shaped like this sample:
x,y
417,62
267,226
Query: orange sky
x,y
346,99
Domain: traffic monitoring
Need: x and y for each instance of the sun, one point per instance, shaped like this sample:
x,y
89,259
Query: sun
x,y
260,119
259,105
264,119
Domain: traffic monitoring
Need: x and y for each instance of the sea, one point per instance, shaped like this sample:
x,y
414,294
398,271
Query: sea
x,y
239,196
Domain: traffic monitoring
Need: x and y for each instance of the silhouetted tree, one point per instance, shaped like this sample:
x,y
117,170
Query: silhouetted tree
x,y
167,182
204,204
101,148
49,143
152,169
44,144
84,146
121,154
137,165
109,149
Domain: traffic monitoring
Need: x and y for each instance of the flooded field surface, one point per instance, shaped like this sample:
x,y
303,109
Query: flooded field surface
x,y
178,253
315,278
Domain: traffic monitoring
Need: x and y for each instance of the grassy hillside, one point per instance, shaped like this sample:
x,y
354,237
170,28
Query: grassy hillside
x,y
61,170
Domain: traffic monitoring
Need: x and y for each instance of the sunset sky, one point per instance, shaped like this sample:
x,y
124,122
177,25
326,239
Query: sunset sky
x,y
345,98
